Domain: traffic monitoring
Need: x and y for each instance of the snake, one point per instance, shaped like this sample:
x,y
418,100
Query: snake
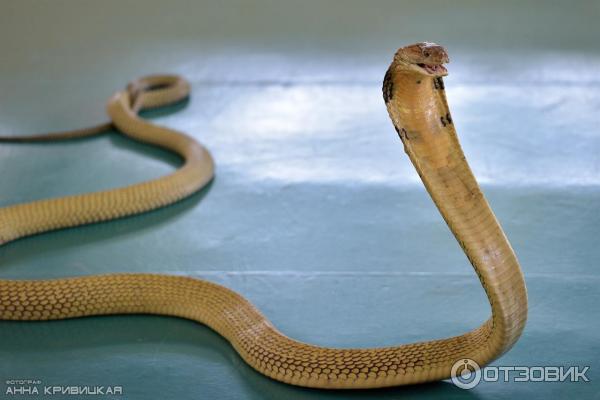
x,y
415,97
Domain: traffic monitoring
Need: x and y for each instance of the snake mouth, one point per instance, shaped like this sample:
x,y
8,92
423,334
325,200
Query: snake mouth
x,y
433,69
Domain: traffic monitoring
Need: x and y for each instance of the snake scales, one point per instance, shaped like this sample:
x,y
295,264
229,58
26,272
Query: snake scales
x,y
414,94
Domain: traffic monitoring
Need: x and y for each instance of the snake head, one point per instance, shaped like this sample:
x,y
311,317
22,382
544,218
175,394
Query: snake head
x,y
425,58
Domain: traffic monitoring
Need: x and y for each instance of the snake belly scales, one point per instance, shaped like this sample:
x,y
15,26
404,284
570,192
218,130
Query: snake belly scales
x,y
413,91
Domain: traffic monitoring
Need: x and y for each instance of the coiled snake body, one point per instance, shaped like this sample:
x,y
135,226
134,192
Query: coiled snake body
x,y
414,94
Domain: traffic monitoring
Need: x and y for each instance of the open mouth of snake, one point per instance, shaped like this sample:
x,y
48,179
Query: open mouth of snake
x,y
435,69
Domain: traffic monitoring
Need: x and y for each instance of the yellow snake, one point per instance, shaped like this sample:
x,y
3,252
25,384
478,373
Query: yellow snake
x,y
414,93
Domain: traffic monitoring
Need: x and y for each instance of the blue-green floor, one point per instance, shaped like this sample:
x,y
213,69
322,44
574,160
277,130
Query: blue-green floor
x,y
315,214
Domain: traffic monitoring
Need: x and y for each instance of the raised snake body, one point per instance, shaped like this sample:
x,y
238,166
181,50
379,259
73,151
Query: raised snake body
x,y
414,94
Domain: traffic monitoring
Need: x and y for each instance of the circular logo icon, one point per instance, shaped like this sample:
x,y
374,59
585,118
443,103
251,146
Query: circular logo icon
x,y
465,373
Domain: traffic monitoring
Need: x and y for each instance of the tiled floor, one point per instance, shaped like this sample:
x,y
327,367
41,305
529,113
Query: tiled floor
x,y
316,214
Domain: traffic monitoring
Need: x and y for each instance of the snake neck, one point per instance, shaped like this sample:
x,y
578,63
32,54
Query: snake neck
x,y
419,111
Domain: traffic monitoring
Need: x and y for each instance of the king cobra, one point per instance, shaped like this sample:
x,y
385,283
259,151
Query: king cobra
x,y
413,90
